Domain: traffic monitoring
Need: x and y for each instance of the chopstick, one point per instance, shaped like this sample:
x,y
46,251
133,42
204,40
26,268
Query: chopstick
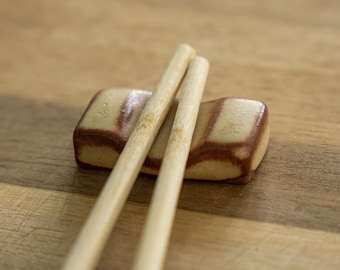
x,y
152,249
97,228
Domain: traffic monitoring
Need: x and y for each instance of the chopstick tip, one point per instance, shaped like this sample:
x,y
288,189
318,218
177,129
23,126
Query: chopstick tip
x,y
201,59
186,47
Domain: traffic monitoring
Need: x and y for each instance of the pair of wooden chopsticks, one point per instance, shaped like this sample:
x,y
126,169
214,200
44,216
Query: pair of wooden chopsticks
x,y
152,249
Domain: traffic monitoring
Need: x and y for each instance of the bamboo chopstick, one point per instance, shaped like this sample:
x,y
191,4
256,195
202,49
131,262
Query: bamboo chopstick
x,y
152,249
97,228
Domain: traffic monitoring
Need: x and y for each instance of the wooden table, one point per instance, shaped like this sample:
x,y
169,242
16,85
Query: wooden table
x,y
55,55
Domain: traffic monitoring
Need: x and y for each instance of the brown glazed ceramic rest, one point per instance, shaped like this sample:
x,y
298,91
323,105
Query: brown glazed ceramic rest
x,y
229,142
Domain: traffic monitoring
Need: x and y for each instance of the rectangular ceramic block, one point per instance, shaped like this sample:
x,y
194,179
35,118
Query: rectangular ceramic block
x,y
230,138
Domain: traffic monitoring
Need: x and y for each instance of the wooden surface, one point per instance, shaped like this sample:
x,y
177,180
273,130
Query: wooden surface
x,y
54,56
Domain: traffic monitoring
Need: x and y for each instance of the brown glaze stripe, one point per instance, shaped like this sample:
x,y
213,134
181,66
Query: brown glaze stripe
x,y
133,104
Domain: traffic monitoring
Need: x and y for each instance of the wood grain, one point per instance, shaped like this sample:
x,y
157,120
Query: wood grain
x,y
54,55
38,227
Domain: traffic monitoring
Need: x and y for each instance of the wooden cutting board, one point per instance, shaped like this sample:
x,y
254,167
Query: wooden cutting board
x,y
55,55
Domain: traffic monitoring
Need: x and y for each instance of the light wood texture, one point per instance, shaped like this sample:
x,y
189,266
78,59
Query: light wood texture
x,y
98,226
55,55
47,221
156,234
